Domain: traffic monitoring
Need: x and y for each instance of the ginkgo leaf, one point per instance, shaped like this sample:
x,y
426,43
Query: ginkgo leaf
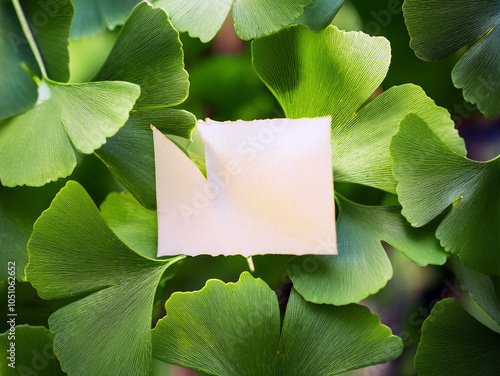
x,y
36,147
148,52
320,15
93,16
361,147
52,22
129,154
13,78
334,73
454,343
484,289
252,19
32,354
318,74
235,330
73,253
131,60
19,209
135,225
259,197
362,267
202,19
158,67
431,177
460,23
478,74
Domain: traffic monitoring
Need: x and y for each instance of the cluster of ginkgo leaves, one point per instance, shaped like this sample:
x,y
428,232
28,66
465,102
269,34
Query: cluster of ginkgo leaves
x,y
104,258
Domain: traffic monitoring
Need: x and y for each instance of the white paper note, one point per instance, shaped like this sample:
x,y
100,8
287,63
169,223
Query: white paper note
x,y
269,189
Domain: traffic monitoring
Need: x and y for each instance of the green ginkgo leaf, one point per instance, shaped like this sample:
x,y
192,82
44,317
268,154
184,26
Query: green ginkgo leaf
x,y
454,343
431,177
135,225
73,253
484,289
33,352
251,18
19,209
440,27
37,146
320,15
158,67
235,330
148,53
362,267
52,20
478,73
129,155
334,73
93,16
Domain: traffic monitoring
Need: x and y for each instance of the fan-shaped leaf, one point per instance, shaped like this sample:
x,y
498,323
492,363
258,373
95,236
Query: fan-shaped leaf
x,y
19,209
135,225
320,15
431,177
362,267
484,289
158,67
74,252
440,27
33,353
454,343
334,73
50,22
130,153
234,330
65,116
252,19
93,16
148,53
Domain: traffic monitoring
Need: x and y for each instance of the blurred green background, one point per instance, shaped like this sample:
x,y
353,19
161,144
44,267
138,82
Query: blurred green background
x,y
224,86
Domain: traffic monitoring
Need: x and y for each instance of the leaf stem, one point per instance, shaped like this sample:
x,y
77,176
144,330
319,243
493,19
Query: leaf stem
x,y
29,36
250,264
